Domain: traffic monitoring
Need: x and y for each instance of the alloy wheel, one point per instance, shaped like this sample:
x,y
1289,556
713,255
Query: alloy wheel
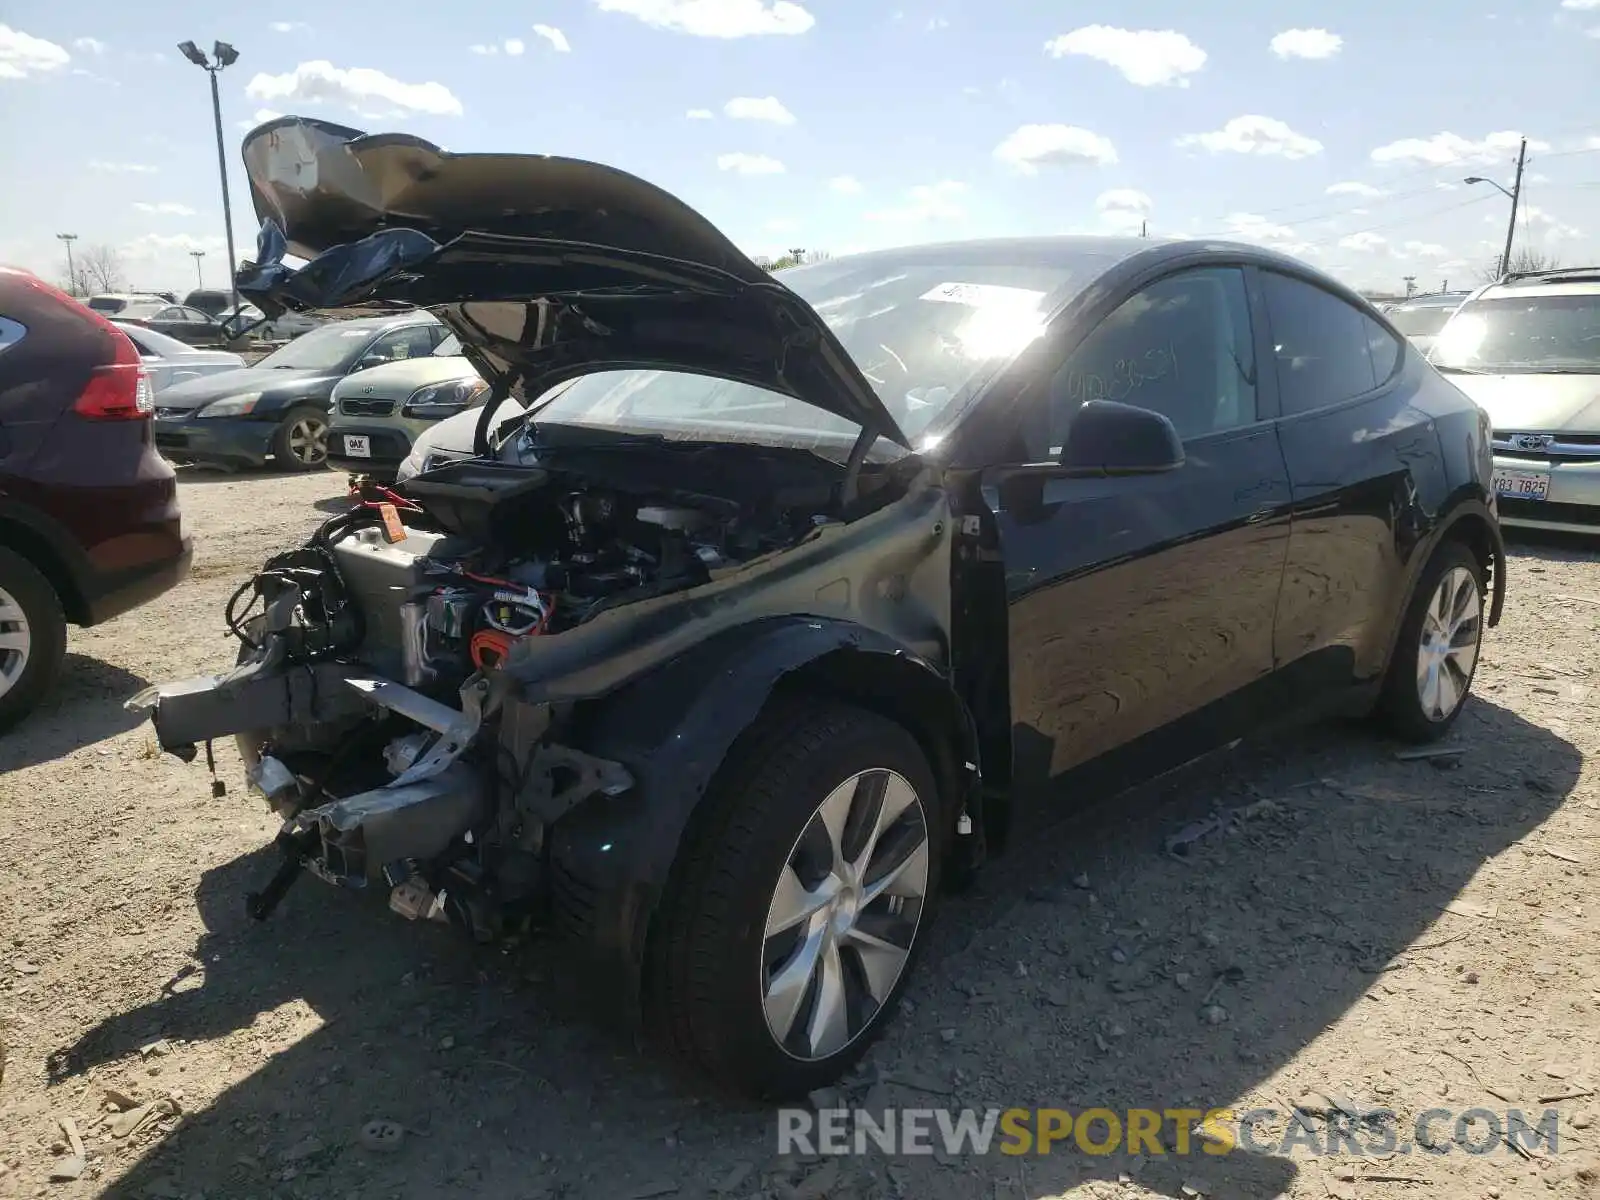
x,y
15,641
1452,633
308,441
844,914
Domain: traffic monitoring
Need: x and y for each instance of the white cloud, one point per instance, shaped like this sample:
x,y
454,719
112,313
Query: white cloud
x,y
557,39
717,18
1029,147
935,24
1353,188
1306,43
1250,227
749,164
1123,209
845,185
782,225
90,45
758,108
22,54
1445,149
700,114
927,202
287,26
158,245
1426,249
1255,135
1366,243
1549,227
361,89
165,208
260,117
1580,5
511,47
121,168
1147,57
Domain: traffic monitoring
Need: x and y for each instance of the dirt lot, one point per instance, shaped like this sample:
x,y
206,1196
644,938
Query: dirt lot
x,y
1366,931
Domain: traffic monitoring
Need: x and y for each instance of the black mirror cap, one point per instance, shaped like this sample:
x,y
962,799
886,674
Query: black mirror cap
x,y
1120,439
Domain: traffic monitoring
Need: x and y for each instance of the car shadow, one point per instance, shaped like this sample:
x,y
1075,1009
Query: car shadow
x,y
1079,972
85,707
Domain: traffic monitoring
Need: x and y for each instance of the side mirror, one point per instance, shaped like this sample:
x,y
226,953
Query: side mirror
x,y
1118,439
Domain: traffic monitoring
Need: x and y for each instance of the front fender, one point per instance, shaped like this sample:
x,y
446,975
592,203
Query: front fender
x,y
672,729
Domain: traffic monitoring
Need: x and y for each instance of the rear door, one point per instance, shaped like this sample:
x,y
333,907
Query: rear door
x,y
1142,608
1362,457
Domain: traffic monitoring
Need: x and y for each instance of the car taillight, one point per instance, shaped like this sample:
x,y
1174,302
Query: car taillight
x,y
120,390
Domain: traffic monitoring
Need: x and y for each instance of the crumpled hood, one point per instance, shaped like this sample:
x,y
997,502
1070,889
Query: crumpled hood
x,y
192,393
546,268
1536,403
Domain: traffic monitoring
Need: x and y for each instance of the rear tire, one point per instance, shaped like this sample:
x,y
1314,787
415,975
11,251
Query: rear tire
x,y
301,440
33,637
798,902
1437,652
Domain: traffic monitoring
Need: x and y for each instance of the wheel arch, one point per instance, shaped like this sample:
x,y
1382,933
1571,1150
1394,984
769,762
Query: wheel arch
x,y
676,728
25,538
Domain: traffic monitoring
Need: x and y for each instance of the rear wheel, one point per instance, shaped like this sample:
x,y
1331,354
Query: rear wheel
x,y
301,441
798,904
33,637
1437,652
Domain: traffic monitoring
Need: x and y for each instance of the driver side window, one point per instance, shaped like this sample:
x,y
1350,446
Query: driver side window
x,y
1181,347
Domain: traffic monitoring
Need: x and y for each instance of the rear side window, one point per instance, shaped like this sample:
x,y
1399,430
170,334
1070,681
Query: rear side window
x,y
1327,351
11,332
107,304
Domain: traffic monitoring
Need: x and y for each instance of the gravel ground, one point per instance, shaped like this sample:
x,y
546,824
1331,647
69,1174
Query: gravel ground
x,y
1362,930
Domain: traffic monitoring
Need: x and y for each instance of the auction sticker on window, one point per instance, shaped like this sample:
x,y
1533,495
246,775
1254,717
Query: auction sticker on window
x,y
983,295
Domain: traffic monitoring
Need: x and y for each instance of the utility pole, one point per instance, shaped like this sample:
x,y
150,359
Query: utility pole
x,y
197,255
72,273
1516,196
1144,228
226,56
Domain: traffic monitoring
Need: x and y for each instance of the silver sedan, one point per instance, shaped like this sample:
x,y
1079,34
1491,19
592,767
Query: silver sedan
x,y
169,361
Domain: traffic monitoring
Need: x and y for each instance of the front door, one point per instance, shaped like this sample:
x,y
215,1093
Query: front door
x,y
1142,607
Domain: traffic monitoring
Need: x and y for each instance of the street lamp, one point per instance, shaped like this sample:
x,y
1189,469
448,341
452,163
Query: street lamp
x,y
197,255
1504,191
72,274
1514,195
225,56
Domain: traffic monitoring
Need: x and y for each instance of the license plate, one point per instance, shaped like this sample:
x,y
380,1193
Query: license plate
x,y
358,445
1522,485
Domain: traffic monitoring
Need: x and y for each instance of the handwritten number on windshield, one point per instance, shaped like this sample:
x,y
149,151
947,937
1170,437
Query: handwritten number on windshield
x,y
1126,376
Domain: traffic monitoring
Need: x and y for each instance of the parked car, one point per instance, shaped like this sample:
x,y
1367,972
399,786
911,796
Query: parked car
x,y
188,325
450,440
1421,318
377,413
727,659
249,321
168,361
278,409
1528,350
212,301
89,521
111,304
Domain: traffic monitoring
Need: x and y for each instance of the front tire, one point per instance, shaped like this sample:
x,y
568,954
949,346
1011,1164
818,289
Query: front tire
x,y
1437,652
33,637
799,901
301,440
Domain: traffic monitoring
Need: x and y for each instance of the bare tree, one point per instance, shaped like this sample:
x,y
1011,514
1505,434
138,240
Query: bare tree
x,y
1523,261
100,269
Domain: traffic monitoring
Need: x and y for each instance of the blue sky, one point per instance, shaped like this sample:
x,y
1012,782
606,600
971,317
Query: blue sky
x,y
1339,132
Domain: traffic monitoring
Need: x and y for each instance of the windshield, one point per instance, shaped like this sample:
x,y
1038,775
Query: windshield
x,y
1523,333
332,348
1422,321
449,348
158,344
922,329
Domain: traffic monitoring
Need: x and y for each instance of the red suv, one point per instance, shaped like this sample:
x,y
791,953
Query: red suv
x,y
89,522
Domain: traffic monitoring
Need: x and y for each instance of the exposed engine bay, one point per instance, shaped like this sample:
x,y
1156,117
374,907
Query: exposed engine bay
x,y
374,702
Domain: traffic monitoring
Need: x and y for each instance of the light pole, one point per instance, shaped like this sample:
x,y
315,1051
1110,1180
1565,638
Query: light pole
x,y
226,56
72,274
1515,196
